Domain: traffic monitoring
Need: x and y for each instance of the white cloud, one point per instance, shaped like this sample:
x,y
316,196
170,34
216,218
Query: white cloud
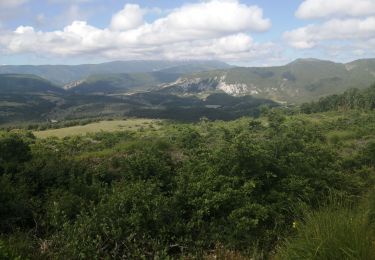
x,y
335,29
347,24
74,39
310,9
359,52
210,29
217,15
128,18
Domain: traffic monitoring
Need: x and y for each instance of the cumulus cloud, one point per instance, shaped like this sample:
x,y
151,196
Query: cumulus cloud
x,y
128,18
210,29
351,22
335,29
310,9
217,15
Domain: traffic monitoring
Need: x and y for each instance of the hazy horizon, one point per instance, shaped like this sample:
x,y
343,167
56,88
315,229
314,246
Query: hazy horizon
x,y
239,64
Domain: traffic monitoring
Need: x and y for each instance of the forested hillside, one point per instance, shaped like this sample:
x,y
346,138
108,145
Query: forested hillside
x,y
210,189
64,74
300,81
350,99
31,100
123,83
168,93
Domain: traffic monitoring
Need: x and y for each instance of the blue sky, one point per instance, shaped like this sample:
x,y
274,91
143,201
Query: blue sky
x,y
244,32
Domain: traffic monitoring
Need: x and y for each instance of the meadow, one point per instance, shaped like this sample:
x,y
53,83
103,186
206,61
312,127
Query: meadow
x,y
131,124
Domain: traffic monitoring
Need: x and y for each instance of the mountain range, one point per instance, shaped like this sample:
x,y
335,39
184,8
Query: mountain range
x,y
300,81
28,99
185,90
65,74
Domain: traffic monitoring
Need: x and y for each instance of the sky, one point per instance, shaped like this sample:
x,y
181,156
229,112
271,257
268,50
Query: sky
x,y
240,32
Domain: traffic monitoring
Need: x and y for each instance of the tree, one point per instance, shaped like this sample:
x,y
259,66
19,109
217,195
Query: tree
x,y
13,151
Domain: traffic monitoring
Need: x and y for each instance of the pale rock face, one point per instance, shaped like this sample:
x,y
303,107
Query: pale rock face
x,y
73,84
235,89
215,83
350,67
254,92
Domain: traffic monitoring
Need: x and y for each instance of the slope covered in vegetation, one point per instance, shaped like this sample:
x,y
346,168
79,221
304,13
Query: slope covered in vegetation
x,y
300,81
350,99
180,190
30,100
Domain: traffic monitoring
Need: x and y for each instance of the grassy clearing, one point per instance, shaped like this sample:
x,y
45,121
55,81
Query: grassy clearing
x,y
107,126
344,135
10,104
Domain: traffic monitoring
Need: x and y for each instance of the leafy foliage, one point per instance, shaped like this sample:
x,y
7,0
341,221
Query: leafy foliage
x,y
350,99
182,190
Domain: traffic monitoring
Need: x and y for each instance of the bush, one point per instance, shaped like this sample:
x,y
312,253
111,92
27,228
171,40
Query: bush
x,y
214,189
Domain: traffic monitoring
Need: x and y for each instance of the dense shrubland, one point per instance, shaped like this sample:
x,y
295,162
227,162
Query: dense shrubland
x,y
351,99
183,190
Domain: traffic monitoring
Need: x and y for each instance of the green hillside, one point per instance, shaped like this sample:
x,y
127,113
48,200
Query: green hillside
x,y
363,99
297,82
300,81
123,83
64,74
27,98
23,84
163,94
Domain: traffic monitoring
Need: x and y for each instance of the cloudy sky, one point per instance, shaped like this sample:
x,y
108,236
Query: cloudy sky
x,y
242,32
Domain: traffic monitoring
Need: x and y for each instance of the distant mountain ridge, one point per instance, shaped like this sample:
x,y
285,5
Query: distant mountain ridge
x,y
299,81
185,90
64,74
25,83
121,83
27,97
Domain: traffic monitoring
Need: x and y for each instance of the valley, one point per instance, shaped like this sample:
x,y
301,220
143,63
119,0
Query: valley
x,y
153,89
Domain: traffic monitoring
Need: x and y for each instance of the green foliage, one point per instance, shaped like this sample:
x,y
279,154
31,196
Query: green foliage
x,y
14,205
179,190
350,99
140,232
368,154
13,150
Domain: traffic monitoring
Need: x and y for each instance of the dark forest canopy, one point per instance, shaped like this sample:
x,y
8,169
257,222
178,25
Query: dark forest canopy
x,y
350,99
